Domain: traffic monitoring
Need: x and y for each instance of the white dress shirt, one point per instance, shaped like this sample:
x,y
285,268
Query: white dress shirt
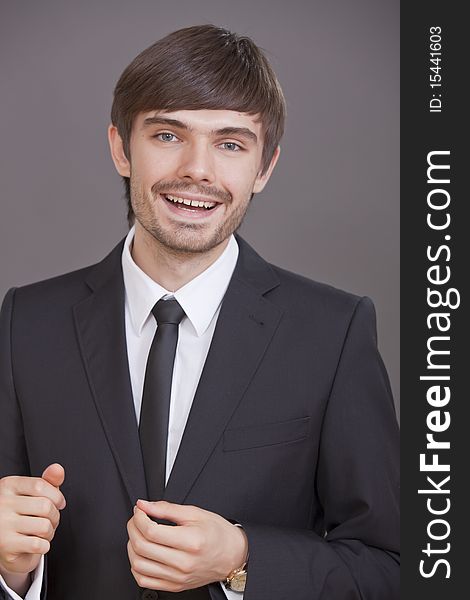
x,y
201,299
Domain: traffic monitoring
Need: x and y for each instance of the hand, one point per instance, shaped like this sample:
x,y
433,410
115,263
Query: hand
x,y
29,516
201,548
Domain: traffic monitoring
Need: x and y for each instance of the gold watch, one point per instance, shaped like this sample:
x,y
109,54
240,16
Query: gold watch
x,y
236,580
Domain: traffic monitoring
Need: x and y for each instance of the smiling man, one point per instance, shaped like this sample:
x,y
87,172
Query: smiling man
x,y
184,419
192,175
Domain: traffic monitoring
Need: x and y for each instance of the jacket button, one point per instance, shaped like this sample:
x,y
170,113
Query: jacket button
x,y
149,595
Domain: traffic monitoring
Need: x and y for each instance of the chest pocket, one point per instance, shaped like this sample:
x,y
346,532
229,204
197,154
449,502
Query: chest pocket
x,y
268,434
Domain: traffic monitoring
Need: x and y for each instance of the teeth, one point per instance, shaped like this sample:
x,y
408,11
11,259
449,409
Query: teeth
x,y
196,203
175,199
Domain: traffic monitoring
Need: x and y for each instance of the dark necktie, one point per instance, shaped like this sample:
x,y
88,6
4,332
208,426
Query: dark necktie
x,y
153,426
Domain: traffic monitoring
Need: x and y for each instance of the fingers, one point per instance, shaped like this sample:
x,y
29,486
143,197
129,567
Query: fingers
x,y
178,513
160,576
54,474
19,545
153,568
29,516
35,526
166,535
159,584
32,486
150,549
36,507
153,565
180,557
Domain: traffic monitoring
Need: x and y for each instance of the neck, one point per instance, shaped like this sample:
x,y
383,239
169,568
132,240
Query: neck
x,y
170,268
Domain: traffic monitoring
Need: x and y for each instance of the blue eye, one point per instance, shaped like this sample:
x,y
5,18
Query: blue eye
x,y
166,137
231,146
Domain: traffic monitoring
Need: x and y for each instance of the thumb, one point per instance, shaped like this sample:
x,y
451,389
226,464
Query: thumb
x,y
176,513
54,474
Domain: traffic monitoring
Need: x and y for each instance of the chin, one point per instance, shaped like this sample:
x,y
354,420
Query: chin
x,y
188,243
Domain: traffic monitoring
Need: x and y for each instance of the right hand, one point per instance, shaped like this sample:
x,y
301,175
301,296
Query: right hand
x,y
29,516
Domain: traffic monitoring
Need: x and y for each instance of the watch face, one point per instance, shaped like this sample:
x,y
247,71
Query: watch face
x,y
238,583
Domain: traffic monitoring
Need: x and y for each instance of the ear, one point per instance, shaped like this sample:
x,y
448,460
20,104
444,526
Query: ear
x,y
262,180
118,155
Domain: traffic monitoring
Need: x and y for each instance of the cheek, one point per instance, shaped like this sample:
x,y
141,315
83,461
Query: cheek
x,y
240,181
249,185
152,167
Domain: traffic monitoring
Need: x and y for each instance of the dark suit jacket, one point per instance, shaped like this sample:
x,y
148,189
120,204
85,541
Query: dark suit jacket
x,y
292,432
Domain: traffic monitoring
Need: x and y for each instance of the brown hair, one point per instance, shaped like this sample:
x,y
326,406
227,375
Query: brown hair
x,y
200,67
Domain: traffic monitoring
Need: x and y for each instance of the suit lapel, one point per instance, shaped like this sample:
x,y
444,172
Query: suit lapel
x,y
245,326
100,323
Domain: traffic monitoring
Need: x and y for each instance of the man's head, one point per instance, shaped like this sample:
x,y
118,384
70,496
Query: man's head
x,y
202,69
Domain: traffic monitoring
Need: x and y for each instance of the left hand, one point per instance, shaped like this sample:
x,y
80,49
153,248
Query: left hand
x,y
201,548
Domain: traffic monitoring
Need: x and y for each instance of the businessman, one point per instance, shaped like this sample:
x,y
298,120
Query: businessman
x,y
183,419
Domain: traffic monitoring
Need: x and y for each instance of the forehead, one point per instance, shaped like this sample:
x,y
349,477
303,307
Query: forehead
x,y
205,121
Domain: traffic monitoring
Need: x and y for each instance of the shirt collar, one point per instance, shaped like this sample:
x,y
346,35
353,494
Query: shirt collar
x,y
200,298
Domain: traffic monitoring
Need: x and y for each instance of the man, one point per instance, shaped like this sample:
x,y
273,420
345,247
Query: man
x,y
258,408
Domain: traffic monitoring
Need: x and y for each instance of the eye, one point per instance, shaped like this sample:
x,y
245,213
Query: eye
x,y
166,136
232,146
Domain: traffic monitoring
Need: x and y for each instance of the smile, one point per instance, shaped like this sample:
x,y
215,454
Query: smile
x,y
204,204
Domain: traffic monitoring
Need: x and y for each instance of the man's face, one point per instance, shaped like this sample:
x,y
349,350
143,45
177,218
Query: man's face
x,y
192,174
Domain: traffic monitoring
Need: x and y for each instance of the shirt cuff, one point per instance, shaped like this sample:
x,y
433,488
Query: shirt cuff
x,y
231,595
34,592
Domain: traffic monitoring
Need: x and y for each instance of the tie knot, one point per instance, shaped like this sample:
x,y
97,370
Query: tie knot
x,y
168,311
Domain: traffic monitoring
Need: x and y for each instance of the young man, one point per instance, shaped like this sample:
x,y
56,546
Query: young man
x,y
184,367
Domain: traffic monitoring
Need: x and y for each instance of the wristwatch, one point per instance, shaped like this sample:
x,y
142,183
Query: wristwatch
x,y
236,580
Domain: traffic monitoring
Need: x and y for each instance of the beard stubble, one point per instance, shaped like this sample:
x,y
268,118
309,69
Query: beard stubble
x,y
185,238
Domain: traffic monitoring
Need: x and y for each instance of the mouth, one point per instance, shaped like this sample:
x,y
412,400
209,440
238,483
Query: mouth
x,y
190,206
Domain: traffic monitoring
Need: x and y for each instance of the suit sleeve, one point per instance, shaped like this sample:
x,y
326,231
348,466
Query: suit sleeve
x,y
356,481
13,453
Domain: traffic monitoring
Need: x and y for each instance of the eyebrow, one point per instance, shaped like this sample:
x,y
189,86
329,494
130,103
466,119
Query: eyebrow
x,y
224,131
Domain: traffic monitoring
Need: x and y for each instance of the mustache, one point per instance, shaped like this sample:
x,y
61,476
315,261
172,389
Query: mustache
x,y
165,187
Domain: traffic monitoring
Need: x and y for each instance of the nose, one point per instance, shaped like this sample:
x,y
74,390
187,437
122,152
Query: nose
x,y
197,163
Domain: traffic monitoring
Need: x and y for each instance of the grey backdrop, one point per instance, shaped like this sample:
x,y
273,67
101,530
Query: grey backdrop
x,y
331,208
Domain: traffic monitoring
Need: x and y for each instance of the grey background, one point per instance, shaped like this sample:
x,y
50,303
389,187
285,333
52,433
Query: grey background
x,y
331,209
